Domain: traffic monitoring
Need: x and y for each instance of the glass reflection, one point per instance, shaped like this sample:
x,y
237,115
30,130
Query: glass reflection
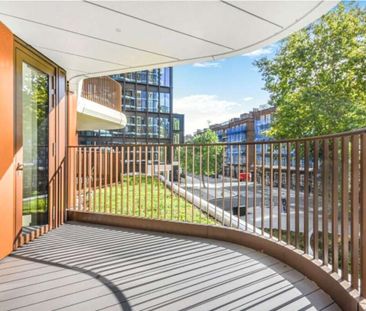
x,y
35,146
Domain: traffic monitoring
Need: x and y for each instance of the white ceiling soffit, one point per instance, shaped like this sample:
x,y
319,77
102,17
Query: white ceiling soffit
x,y
102,38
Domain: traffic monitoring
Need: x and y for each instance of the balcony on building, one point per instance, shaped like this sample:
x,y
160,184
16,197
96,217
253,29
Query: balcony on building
x,y
99,105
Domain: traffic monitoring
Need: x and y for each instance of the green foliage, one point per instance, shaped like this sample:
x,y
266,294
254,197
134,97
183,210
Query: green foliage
x,y
317,79
35,205
203,158
150,199
35,94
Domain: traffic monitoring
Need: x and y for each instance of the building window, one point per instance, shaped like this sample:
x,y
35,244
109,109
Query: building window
x,y
141,76
130,128
129,99
105,133
153,127
165,77
153,76
116,132
141,101
140,126
165,102
130,120
153,101
119,77
131,76
268,118
176,124
176,138
261,126
89,133
164,127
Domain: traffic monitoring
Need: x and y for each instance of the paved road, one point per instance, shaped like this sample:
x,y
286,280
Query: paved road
x,y
229,200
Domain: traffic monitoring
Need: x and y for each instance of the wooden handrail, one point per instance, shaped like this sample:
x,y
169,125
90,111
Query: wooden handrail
x,y
265,142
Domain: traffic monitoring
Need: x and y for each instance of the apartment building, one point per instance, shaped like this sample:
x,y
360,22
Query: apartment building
x,y
147,102
253,127
250,126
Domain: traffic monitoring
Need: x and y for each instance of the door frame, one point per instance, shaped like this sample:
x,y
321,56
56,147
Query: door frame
x,y
23,53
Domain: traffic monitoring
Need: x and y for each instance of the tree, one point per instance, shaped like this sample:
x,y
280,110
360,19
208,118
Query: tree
x,y
317,79
205,156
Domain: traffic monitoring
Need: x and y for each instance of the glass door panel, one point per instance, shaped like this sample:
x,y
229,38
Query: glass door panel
x,y
35,102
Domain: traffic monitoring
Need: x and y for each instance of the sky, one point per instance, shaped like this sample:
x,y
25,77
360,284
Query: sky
x,y
218,91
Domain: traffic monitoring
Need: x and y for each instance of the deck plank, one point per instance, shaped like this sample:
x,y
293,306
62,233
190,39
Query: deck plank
x,y
90,267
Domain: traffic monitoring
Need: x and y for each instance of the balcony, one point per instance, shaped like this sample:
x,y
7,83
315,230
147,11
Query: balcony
x,y
174,189
99,105
171,226
209,239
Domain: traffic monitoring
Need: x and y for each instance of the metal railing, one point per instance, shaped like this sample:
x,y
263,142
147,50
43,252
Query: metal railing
x,y
309,193
104,91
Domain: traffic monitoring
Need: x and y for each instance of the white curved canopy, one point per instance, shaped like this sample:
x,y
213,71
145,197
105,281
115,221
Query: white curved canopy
x,y
93,116
90,38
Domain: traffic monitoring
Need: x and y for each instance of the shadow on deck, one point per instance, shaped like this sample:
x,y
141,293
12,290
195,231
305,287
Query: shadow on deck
x,y
91,267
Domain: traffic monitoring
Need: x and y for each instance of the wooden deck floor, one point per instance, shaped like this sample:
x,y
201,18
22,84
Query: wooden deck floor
x,y
89,267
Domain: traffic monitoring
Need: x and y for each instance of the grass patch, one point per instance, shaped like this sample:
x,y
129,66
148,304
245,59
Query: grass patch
x,y
148,199
35,205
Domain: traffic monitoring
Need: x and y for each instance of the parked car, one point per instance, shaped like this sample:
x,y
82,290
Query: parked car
x,y
245,176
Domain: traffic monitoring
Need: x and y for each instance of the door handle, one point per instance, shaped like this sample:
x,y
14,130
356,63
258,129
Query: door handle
x,y
19,167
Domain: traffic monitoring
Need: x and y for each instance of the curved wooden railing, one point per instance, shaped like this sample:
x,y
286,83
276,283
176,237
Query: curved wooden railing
x,y
306,196
104,91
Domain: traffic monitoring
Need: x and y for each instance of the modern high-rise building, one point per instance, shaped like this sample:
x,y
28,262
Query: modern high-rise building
x,y
147,102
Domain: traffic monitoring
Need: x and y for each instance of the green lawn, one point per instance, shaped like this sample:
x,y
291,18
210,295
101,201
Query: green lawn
x,y
35,205
135,199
